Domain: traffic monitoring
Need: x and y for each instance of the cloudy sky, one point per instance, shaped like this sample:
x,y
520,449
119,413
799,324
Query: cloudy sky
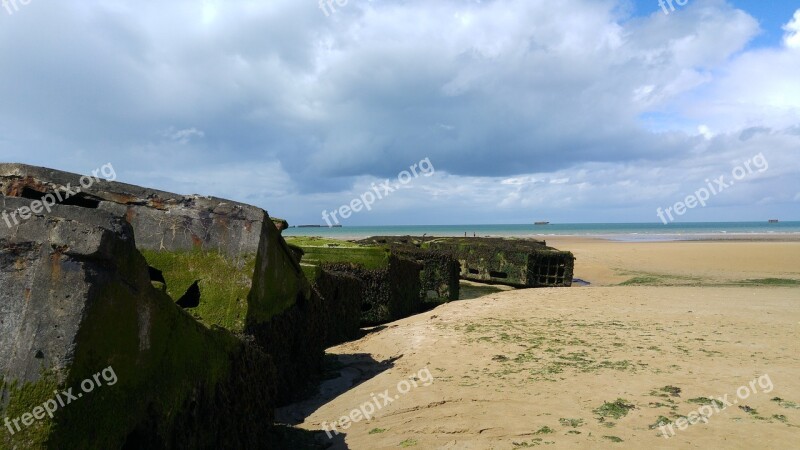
x,y
560,110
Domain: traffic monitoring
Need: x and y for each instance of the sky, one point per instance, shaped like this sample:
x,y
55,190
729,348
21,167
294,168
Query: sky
x,y
572,111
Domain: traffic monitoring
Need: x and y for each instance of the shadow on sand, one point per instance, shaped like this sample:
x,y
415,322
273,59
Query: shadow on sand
x,y
342,373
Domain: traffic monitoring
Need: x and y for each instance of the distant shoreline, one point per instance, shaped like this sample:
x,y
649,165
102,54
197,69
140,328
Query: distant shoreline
x,y
618,232
622,237
782,237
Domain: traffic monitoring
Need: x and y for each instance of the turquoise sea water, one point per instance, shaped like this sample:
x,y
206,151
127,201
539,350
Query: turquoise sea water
x,y
615,231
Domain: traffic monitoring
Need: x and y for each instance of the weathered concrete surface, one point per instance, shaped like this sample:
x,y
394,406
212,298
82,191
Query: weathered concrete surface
x,y
391,283
76,298
280,224
512,262
342,297
169,226
250,281
440,269
163,220
42,284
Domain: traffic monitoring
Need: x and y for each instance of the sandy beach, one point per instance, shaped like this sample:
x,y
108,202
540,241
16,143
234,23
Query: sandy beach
x,y
665,331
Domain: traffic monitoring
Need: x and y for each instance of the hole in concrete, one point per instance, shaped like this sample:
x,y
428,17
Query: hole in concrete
x,y
191,299
473,271
365,307
494,274
156,275
79,199
82,201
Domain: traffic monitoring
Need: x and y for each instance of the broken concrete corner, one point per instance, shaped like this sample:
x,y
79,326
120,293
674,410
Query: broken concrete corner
x,y
225,245
249,280
77,299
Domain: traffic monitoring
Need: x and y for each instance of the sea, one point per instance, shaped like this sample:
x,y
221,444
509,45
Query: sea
x,y
627,232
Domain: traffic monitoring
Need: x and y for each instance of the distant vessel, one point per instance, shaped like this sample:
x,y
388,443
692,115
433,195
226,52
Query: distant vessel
x,y
773,221
541,223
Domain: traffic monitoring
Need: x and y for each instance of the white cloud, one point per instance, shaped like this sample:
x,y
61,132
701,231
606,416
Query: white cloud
x,y
792,37
183,136
705,131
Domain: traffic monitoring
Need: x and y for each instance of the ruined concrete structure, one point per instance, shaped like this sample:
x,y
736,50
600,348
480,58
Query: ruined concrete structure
x,y
390,283
514,262
92,276
440,269
250,282
342,296
388,265
76,298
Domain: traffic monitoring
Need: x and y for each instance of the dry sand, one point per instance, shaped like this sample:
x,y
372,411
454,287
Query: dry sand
x,y
526,368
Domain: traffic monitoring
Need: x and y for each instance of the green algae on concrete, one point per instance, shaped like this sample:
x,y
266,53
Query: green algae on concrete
x,y
342,298
315,241
372,258
391,283
513,262
440,269
21,399
389,293
178,383
224,285
164,361
230,297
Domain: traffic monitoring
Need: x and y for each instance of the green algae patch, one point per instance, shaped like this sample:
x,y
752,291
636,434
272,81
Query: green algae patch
x,y
161,359
277,284
311,272
167,366
313,241
772,282
616,410
224,285
22,399
370,258
512,262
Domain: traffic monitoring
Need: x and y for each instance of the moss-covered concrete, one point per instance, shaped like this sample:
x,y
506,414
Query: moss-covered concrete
x,y
391,284
372,258
278,280
263,294
342,299
224,286
388,293
280,224
316,241
513,262
178,384
22,398
440,269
